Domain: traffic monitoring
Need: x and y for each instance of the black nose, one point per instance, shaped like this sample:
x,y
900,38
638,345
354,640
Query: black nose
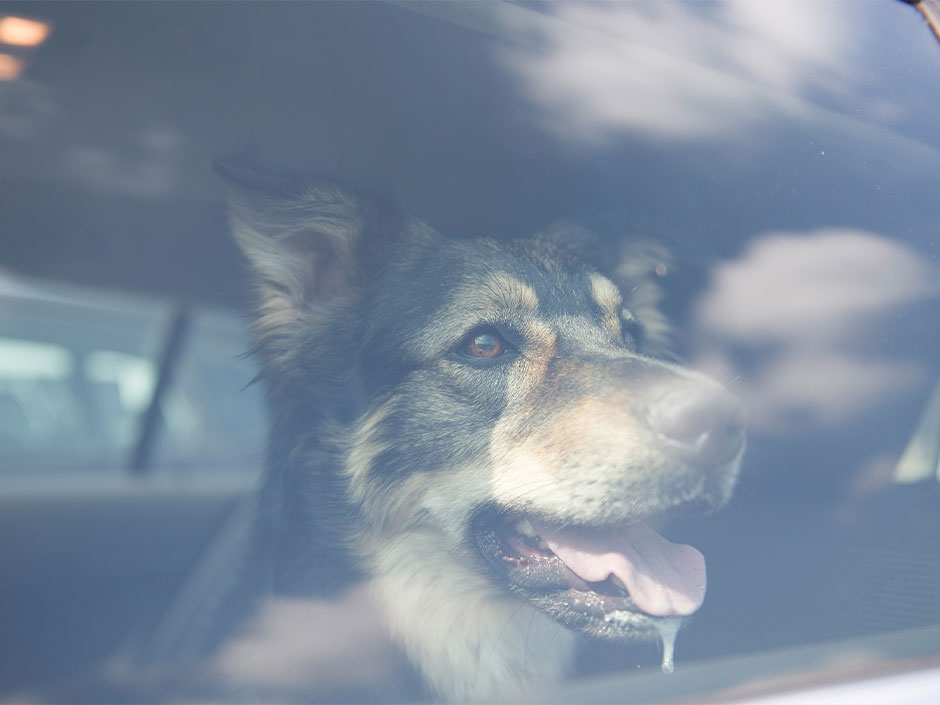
x,y
707,426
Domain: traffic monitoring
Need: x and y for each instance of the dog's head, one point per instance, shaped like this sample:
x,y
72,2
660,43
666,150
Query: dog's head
x,y
495,410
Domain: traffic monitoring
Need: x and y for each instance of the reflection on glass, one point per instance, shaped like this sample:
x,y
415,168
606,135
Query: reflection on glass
x,y
23,32
10,67
921,458
28,359
78,369
590,62
296,643
134,376
812,307
37,407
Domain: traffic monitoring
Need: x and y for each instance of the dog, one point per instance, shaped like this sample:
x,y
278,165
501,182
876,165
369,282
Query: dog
x,y
480,429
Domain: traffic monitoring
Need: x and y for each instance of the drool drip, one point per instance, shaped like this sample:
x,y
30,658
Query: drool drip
x,y
668,628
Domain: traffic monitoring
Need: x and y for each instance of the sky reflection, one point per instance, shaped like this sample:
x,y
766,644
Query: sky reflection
x,y
811,313
597,69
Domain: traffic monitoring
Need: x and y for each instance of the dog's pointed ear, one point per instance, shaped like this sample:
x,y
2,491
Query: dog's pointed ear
x,y
301,236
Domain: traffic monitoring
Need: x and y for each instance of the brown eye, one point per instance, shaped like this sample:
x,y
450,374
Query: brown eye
x,y
483,345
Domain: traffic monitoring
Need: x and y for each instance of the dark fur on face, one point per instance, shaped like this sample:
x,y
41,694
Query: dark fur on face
x,y
431,394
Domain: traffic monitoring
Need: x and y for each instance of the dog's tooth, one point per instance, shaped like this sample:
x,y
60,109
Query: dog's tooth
x,y
524,527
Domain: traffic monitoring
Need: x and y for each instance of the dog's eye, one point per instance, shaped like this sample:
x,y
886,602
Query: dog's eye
x,y
632,333
483,344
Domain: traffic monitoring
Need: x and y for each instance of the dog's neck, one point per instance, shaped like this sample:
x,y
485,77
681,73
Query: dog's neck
x,y
470,641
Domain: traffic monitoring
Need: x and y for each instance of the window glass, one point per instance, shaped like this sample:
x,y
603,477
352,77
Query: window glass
x,y
77,378
782,156
213,416
38,409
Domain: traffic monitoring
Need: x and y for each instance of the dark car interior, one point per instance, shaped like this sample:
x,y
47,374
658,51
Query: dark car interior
x,y
131,437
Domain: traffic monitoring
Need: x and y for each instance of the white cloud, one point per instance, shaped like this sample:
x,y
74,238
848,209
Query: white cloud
x,y
809,309
598,68
812,288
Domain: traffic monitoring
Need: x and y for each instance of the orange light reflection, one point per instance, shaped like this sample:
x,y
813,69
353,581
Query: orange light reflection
x,y
23,32
10,67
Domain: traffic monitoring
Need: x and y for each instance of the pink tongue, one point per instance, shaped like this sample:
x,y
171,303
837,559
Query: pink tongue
x,y
663,578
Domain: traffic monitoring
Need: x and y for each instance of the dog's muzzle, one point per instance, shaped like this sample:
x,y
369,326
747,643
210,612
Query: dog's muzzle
x,y
621,578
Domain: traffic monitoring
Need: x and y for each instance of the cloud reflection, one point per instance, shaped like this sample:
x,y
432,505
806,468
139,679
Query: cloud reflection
x,y
150,168
639,66
10,67
810,310
314,646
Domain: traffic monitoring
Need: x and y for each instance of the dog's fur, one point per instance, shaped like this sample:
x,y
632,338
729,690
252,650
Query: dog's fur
x,y
391,445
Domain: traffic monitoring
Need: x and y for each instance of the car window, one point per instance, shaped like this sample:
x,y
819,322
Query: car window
x,y
77,377
213,413
770,167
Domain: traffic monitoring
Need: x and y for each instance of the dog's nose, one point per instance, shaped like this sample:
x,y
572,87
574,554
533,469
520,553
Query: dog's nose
x,y
707,426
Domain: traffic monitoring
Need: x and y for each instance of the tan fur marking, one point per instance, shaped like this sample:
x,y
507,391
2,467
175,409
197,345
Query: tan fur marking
x,y
580,463
541,337
605,293
363,450
529,371
608,298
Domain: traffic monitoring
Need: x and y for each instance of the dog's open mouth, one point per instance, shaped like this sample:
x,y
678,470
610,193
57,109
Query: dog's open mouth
x,y
607,581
